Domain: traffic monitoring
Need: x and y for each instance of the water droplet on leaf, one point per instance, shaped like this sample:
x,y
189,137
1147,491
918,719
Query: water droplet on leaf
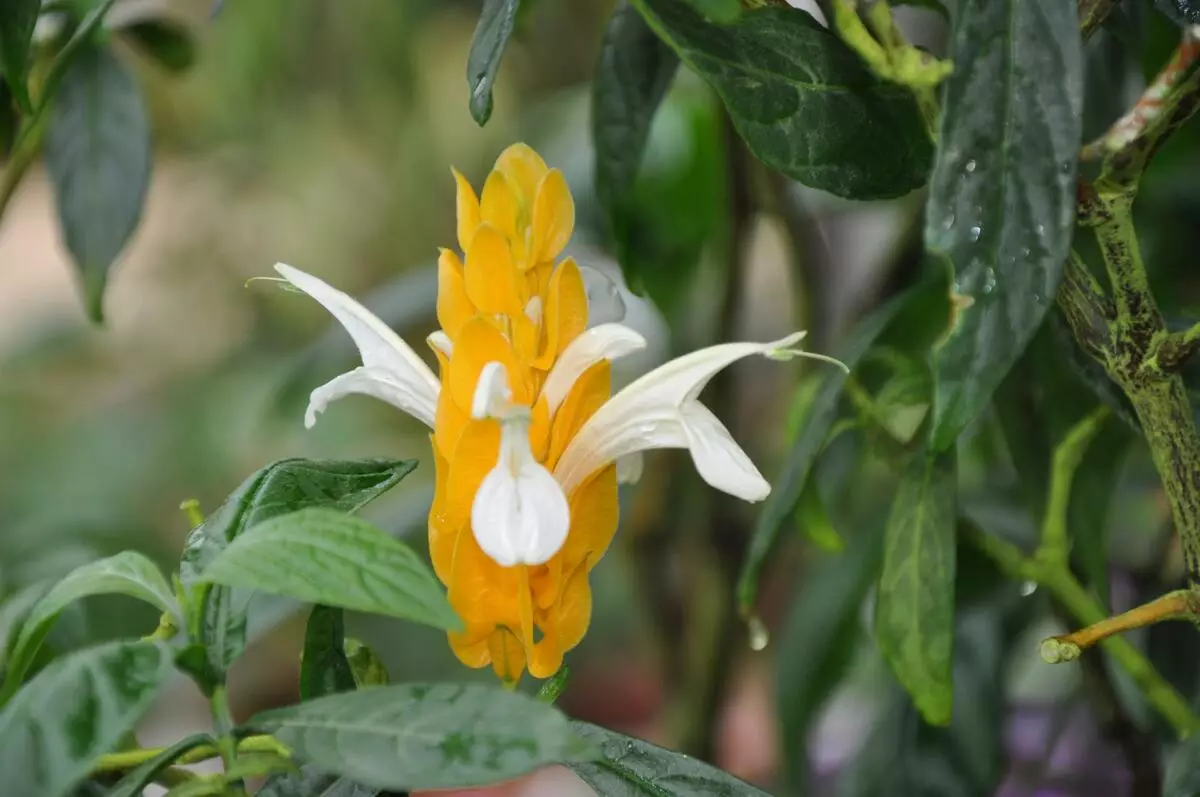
x,y
976,230
989,280
970,167
1028,588
760,637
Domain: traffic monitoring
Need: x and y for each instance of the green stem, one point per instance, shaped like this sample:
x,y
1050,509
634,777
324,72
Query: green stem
x,y
131,759
223,724
1055,546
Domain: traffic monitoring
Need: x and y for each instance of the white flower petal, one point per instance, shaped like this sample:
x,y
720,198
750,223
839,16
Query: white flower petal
x,y
660,410
441,341
520,514
492,393
603,342
629,468
376,382
385,356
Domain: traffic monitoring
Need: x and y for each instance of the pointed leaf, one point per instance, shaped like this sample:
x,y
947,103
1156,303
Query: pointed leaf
x,y
285,486
98,154
416,736
75,710
1001,204
325,556
786,491
634,73
803,101
491,37
629,767
914,609
127,573
133,784
17,21
324,668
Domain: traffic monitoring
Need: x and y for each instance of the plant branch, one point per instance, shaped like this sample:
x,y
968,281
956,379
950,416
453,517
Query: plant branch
x,y
131,759
1092,13
1055,546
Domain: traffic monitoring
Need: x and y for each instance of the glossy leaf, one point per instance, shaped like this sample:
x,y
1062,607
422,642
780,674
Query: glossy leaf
x,y
168,43
75,710
629,767
819,639
802,100
635,70
914,609
324,669
219,619
98,155
17,21
312,782
326,556
491,37
128,573
416,736
133,784
1001,205
822,412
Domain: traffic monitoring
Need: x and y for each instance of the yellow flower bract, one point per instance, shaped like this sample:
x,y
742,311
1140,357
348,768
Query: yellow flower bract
x,y
508,301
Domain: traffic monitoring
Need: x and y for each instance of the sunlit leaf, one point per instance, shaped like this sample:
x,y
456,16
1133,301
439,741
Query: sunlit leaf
x,y
802,100
328,557
285,486
1001,204
914,609
74,711
128,573
629,767
98,154
418,736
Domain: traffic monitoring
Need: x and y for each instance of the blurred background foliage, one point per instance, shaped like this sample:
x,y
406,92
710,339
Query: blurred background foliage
x,y
320,133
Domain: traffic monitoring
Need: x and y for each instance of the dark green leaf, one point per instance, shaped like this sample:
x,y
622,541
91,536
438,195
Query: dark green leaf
x,y
219,614
491,37
820,416
629,767
17,21
168,43
326,556
128,573
98,154
633,75
1182,778
819,640
814,523
78,708
416,736
723,12
365,666
1001,204
803,101
324,669
136,781
311,782
10,120
914,609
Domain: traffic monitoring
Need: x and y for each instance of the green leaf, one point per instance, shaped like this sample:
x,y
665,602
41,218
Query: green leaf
x,y
312,782
10,120
75,710
491,37
324,669
723,12
137,780
803,101
218,616
98,155
629,767
1182,776
914,609
13,611
168,43
814,523
326,556
819,639
416,736
633,75
127,573
1001,204
17,21
365,666
821,413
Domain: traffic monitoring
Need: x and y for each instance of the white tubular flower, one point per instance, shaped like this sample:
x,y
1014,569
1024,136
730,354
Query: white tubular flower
x,y
391,371
661,410
519,515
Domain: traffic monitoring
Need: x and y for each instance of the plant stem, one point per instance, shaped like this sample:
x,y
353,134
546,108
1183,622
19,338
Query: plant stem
x,y
1092,13
131,759
1172,606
